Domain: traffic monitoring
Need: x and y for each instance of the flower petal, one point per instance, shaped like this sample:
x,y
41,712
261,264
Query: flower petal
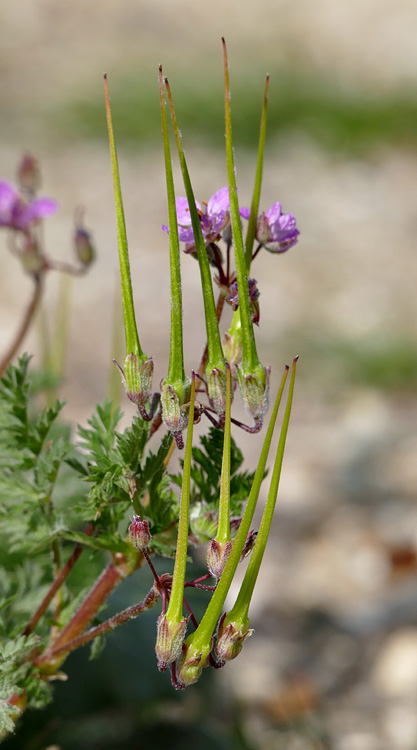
x,y
219,202
183,211
8,198
186,234
37,209
274,212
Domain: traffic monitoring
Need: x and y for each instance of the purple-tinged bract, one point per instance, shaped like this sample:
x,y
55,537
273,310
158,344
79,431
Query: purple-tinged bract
x,y
232,298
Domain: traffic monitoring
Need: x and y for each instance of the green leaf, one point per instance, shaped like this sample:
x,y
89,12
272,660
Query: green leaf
x,y
97,646
106,541
99,439
131,443
8,714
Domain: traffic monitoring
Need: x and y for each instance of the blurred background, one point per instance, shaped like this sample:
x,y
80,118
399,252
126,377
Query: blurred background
x,y
333,662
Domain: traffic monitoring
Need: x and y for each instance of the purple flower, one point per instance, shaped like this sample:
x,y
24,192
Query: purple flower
x,y
214,217
276,231
18,214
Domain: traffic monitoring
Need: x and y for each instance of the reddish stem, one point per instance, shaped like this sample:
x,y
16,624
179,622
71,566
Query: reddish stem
x,y
157,421
59,580
127,614
190,612
103,587
200,586
150,563
199,580
24,327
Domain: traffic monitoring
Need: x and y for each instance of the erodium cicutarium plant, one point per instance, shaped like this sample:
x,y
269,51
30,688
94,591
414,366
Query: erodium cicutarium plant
x,y
112,492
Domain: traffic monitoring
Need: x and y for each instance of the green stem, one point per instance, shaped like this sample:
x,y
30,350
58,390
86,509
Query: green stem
x,y
174,611
60,338
235,328
223,529
176,372
253,218
199,639
215,352
219,309
131,332
250,360
241,606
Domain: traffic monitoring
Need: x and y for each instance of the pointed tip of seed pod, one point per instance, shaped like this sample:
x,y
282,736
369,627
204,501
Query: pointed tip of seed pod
x,y
287,367
160,67
267,77
296,359
223,40
105,76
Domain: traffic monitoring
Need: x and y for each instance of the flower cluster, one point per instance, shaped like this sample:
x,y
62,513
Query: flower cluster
x,y
19,214
214,218
276,231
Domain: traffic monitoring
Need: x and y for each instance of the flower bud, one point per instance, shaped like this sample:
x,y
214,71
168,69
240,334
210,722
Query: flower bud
x,y
216,390
139,533
276,231
232,298
216,557
227,234
175,408
169,640
255,394
33,261
230,639
137,379
28,174
84,248
249,544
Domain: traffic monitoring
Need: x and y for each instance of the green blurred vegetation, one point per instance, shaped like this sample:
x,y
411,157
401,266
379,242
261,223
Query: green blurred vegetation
x,y
387,364
352,121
